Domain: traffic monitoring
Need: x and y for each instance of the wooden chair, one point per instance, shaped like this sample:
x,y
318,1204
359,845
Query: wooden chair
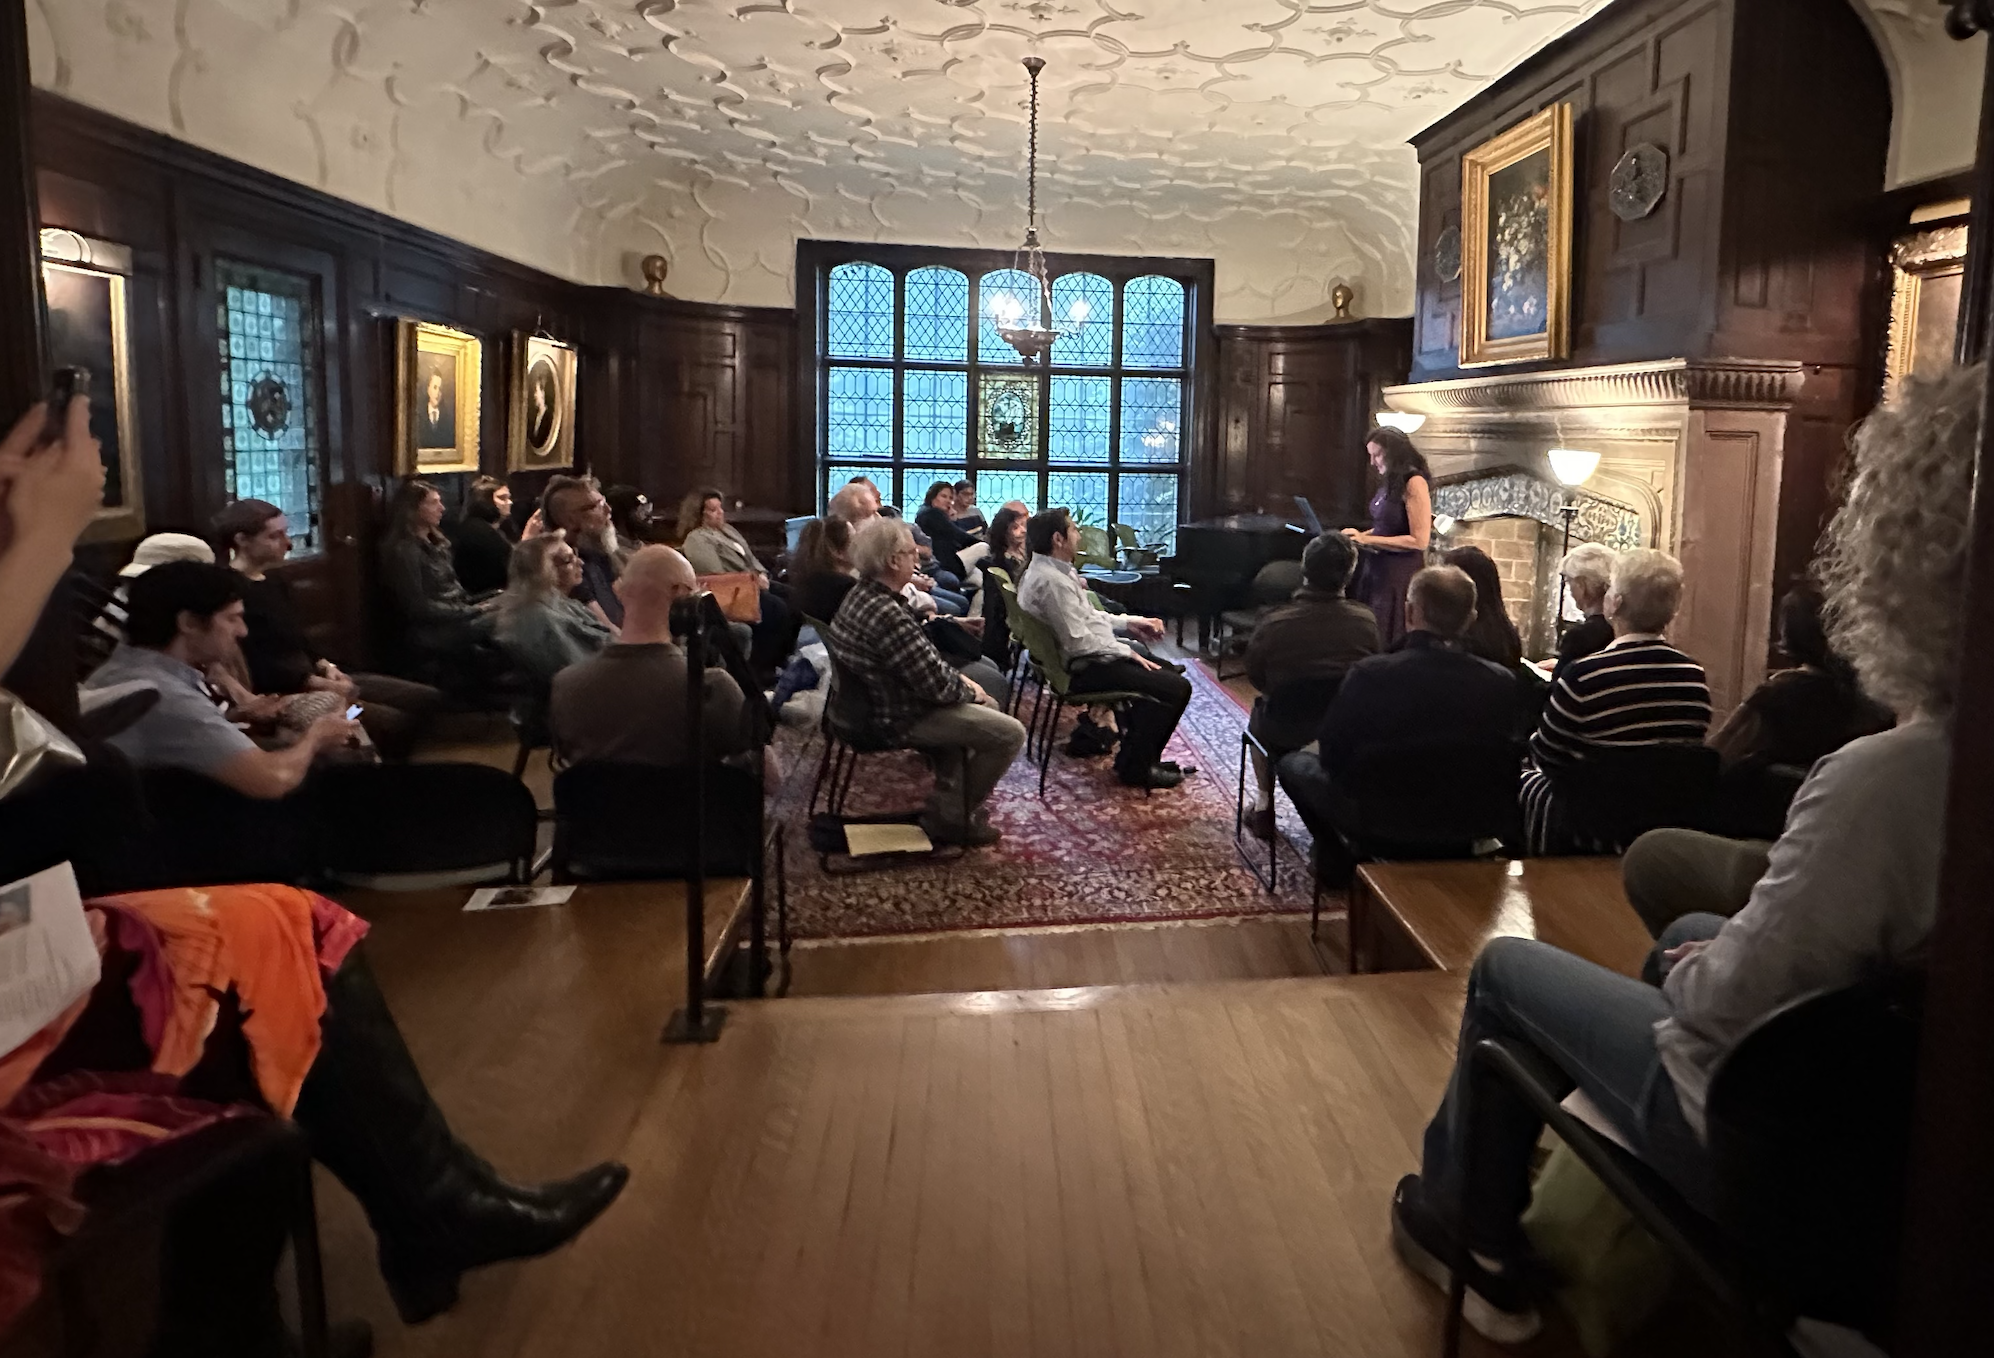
x,y
1054,678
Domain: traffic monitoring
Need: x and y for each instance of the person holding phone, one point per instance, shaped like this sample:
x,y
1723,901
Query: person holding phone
x,y
51,484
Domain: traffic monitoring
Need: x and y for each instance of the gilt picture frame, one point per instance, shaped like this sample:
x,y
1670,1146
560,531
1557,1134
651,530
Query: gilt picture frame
x,y
439,376
541,433
1516,243
1927,272
87,285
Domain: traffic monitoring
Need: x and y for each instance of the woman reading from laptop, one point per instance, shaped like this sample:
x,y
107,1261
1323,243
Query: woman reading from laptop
x,y
1401,527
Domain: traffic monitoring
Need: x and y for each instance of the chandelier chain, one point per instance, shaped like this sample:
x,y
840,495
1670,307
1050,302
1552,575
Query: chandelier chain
x,y
1032,153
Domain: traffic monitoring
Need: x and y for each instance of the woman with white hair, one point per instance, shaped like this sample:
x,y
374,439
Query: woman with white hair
x,y
1638,691
1850,894
1588,570
541,626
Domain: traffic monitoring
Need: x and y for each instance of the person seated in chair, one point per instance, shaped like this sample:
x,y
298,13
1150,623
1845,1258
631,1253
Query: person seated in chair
x,y
937,520
444,624
181,618
914,697
1639,691
716,547
1588,572
1850,893
577,506
483,536
820,572
280,657
627,704
1316,636
966,515
1430,689
1105,653
542,626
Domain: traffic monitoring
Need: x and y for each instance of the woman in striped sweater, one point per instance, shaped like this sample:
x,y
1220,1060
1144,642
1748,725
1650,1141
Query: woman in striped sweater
x,y
1638,691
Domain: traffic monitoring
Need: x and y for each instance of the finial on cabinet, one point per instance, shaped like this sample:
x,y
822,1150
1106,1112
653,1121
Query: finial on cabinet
x,y
655,268
1340,297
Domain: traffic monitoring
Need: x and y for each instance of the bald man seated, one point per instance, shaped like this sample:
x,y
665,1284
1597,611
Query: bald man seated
x,y
627,703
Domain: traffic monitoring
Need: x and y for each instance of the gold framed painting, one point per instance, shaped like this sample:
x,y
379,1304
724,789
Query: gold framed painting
x,y
542,433
1927,270
87,284
1516,243
439,376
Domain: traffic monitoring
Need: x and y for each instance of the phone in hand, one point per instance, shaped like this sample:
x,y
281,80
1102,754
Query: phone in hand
x,y
353,712
64,386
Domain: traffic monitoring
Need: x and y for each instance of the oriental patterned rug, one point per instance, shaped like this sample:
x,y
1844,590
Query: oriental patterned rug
x,y
1092,852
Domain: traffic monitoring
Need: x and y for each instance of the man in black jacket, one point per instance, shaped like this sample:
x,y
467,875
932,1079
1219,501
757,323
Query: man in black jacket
x,y
1429,690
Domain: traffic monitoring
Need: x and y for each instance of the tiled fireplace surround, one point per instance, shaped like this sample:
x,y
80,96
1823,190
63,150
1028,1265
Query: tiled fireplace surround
x,y
1690,457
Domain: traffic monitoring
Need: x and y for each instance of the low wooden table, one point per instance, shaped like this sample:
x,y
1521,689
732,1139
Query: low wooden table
x,y
1414,916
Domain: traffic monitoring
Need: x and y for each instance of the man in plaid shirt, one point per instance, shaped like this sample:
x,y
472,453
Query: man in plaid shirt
x,y
912,696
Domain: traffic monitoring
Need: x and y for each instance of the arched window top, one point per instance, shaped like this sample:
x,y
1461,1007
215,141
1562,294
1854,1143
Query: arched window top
x,y
1017,287
938,315
1153,322
1088,297
859,319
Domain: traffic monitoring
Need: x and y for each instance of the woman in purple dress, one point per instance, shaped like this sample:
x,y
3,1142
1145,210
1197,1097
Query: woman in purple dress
x,y
1401,527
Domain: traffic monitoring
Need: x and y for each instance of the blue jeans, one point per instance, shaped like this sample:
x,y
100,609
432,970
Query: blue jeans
x,y
947,601
1597,1028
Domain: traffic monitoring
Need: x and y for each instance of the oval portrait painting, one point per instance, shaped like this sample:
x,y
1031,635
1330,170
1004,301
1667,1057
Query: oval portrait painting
x,y
543,406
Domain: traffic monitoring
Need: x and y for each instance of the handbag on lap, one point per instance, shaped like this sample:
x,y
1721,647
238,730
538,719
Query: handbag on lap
x,y
739,594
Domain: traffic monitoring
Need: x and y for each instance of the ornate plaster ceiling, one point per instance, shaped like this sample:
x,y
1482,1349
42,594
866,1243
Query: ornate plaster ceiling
x,y
579,135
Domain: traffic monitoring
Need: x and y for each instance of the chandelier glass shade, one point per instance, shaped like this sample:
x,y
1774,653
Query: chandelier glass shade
x,y
1027,323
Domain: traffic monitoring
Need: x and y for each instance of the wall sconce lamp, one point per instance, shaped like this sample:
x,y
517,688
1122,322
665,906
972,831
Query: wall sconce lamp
x,y
1573,467
1399,420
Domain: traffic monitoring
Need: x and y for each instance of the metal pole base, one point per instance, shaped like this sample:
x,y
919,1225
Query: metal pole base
x,y
682,1029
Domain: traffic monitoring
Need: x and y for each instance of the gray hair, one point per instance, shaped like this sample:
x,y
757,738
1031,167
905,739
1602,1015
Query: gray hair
x,y
1648,585
1589,564
1893,561
876,544
849,504
530,576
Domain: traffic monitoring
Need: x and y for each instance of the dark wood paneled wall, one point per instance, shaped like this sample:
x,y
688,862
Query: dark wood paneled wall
x,y
671,393
1294,405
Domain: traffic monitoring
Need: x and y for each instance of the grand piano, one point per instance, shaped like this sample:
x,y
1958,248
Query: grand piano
x,y
1219,557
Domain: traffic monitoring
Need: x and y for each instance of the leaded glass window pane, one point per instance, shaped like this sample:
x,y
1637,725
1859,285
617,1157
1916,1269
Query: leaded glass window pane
x,y
269,362
1093,344
994,488
859,421
1152,419
1085,493
1007,420
1148,504
938,316
1079,426
837,478
1153,323
997,286
935,420
859,323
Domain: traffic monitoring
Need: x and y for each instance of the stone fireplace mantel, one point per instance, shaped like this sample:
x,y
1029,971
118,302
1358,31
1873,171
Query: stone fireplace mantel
x,y
1693,445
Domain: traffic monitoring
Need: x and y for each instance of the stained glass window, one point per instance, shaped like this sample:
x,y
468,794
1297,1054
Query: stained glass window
x,y
917,386
938,315
1153,323
860,320
267,324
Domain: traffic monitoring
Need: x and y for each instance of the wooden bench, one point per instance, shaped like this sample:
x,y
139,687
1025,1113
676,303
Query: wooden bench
x,y
1416,916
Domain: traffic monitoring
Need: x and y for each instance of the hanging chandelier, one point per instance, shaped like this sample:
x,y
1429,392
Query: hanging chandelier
x,y
1026,323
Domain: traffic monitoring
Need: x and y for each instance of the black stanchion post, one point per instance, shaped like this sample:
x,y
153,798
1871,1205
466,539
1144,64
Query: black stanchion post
x,y
698,1021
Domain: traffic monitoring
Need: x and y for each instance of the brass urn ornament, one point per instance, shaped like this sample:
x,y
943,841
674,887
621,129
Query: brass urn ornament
x,y
655,268
1340,297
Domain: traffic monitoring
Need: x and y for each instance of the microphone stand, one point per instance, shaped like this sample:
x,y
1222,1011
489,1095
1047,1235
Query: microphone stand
x,y
698,1021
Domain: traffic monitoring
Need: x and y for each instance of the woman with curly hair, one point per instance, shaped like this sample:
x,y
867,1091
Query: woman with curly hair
x,y
541,626
1850,892
1401,528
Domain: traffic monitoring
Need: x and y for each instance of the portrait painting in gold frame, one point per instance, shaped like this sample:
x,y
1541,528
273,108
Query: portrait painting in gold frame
x,y
87,286
542,433
1927,270
1516,243
438,376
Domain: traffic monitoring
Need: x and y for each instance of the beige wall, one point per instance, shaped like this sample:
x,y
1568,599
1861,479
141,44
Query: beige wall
x,y
1934,85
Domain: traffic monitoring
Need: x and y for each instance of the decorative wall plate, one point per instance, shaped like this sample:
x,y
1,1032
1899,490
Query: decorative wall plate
x,y
1447,254
1640,180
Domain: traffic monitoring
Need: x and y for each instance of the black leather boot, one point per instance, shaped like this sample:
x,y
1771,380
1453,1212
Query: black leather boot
x,y
436,1208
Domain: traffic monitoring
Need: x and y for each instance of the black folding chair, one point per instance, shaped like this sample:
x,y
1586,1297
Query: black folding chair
x,y
1289,716
1809,1121
616,822
1616,794
412,826
1751,801
204,833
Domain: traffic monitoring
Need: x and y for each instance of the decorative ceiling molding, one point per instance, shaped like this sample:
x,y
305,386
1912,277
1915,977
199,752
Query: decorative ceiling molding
x,y
1727,383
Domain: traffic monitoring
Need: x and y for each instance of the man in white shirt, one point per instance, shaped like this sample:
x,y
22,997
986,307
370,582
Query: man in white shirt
x,y
1105,652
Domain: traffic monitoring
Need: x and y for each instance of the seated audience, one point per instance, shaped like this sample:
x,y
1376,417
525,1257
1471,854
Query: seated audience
x,y
182,618
280,658
1007,554
1638,691
155,549
821,573
482,538
1428,690
627,703
1851,891
910,695
936,519
1491,635
936,587
541,625
1105,653
1796,717
1316,636
716,547
967,516
1588,570
576,506
442,620
630,515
